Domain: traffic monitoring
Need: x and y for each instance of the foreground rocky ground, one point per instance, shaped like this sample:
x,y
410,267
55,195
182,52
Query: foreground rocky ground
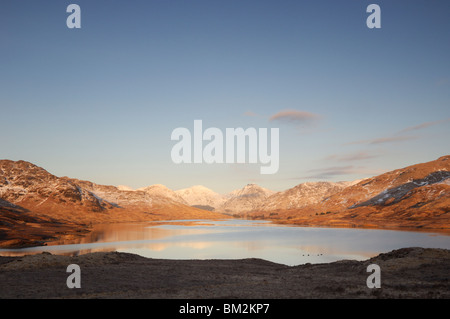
x,y
405,273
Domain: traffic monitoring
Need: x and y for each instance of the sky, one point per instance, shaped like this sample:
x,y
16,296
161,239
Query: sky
x,y
100,102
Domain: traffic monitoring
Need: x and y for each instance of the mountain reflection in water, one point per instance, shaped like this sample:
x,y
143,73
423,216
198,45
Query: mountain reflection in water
x,y
237,239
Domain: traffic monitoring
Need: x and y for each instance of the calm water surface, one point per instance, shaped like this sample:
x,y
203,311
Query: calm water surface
x,y
236,239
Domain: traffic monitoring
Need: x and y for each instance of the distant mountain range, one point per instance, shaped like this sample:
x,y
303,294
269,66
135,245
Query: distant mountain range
x,y
415,196
249,198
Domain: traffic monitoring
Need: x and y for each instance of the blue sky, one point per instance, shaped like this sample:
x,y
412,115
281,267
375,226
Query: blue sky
x,y
100,102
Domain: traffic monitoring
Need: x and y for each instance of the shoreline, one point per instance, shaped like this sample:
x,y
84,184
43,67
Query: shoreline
x,y
348,225
405,273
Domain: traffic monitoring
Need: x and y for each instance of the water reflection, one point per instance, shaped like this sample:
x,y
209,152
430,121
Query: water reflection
x,y
235,239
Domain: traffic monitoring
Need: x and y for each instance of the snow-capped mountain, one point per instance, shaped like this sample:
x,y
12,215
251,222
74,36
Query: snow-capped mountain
x,y
245,199
201,196
162,191
124,188
254,197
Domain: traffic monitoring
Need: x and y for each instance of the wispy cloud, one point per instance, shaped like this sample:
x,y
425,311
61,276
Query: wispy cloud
x,y
424,125
359,156
334,171
383,140
296,118
400,135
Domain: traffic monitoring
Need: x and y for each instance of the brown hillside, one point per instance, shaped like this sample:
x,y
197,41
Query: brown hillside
x,y
416,196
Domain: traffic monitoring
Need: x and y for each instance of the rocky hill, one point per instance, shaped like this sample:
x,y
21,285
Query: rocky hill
x,y
34,188
301,195
415,196
32,196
